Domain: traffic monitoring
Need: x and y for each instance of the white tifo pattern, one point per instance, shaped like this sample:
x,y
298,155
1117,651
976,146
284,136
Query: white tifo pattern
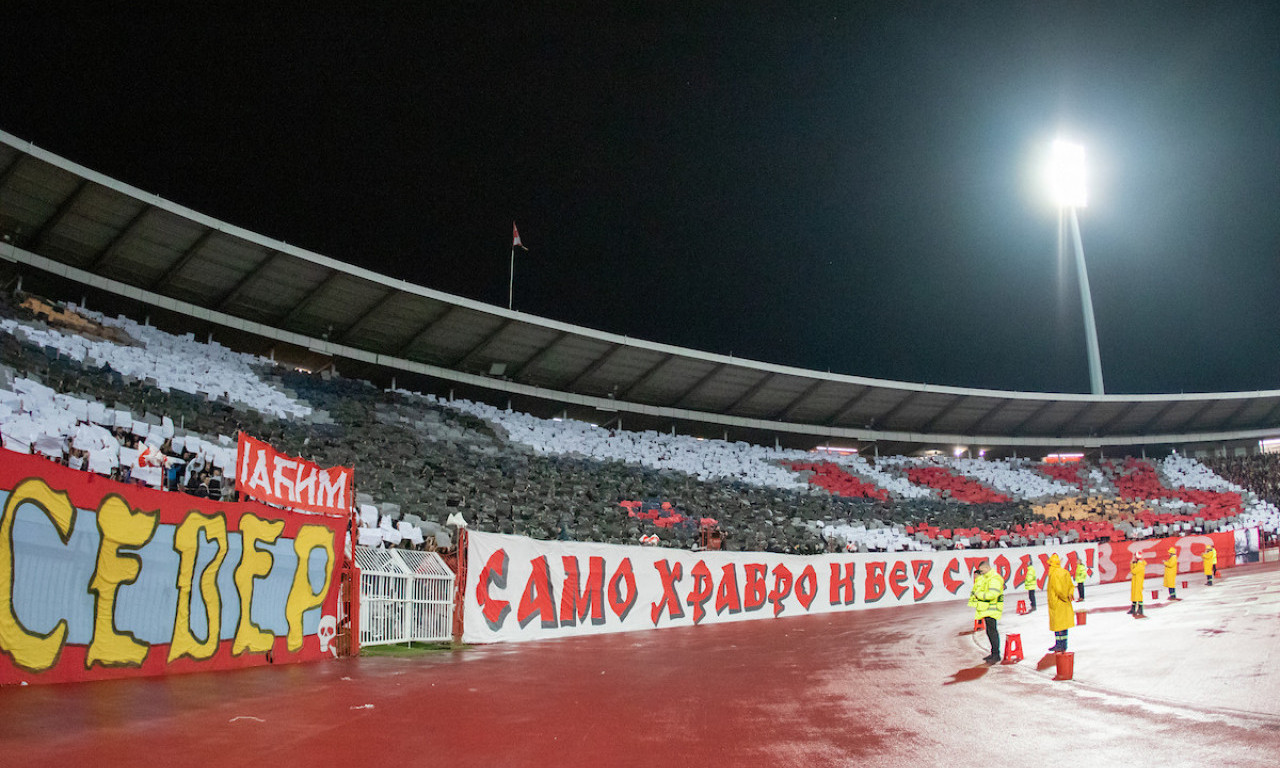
x,y
33,417
173,362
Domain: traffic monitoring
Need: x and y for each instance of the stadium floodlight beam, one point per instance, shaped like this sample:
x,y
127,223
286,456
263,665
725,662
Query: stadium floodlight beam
x,y
1067,176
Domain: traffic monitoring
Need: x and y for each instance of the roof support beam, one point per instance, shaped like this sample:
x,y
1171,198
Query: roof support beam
x,y
1080,409
985,417
751,392
247,280
183,261
377,304
1160,414
847,407
484,344
38,236
596,365
646,377
537,357
1244,406
789,408
1037,413
1271,416
12,169
1198,413
903,403
942,414
121,238
698,384
301,306
1114,420
424,330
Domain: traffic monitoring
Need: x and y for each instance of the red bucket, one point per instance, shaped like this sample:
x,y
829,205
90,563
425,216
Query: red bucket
x,y
1066,662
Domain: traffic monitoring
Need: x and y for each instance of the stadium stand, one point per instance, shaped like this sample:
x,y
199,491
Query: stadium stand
x,y
119,398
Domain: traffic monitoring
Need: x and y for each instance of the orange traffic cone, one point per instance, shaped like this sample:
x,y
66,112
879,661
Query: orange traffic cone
x,y
1080,618
978,625
1022,607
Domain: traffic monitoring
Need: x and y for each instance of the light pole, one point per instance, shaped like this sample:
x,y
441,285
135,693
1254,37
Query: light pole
x,y
1067,175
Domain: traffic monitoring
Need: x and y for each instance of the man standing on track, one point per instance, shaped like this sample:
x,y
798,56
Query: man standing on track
x,y
987,600
1210,557
1137,575
1081,573
1057,588
1030,584
1171,573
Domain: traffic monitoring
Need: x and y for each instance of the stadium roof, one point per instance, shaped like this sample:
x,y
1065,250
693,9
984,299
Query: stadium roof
x,y
68,220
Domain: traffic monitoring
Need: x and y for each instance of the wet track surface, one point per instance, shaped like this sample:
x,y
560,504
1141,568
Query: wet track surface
x,y
1197,681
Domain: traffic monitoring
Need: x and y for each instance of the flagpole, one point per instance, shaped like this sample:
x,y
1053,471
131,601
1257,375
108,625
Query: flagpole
x,y
511,284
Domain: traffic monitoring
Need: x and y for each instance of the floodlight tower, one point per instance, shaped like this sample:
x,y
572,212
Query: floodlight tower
x,y
1067,178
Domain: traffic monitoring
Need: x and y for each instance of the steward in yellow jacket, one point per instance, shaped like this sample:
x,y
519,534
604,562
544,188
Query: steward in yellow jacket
x,y
1081,574
1057,587
1210,557
987,601
1137,575
1029,583
1171,573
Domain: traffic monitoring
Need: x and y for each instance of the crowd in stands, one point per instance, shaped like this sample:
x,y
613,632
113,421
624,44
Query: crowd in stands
x,y
111,396
1258,472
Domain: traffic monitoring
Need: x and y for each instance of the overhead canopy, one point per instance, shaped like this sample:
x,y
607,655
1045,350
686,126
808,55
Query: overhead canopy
x,y
60,217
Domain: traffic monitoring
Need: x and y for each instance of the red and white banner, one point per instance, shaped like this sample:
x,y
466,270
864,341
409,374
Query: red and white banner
x,y
1114,557
276,478
522,589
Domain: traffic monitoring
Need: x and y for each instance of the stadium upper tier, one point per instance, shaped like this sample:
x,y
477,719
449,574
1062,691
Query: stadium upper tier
x,y
64,219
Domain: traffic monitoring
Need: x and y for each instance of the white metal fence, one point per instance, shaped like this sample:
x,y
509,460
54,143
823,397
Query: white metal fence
x,y
405,596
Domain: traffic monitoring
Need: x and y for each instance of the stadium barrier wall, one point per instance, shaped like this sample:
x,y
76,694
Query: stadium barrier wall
x,y
524,589
100,579
1114,557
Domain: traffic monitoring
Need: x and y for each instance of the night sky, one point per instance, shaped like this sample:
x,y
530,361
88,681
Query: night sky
x,y
850,188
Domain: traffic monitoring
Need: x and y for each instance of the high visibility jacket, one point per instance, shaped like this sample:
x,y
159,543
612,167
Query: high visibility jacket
x,y
1170,571
1058,588
1030,581
1137,574
1210,557
987,597
1081,573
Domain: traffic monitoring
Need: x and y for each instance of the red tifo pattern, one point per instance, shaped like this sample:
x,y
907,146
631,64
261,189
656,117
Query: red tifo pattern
x,y
1066,473
1137,479
837,481
961,488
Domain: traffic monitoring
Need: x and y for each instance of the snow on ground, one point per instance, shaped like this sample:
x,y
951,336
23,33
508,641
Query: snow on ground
x,y
1211,655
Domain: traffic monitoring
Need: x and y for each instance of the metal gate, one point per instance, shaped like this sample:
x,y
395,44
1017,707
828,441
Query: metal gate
x,y
405,596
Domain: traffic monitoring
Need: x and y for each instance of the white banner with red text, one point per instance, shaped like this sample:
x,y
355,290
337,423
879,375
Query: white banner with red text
x,y
288,481
523,589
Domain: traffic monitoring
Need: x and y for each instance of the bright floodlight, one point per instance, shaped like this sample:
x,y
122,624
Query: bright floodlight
x,y
1066,175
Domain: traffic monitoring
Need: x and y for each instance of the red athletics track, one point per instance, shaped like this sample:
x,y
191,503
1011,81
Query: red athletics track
x,y
879,688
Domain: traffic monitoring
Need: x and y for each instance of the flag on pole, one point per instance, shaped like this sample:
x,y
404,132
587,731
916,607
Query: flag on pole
x,y
515,237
